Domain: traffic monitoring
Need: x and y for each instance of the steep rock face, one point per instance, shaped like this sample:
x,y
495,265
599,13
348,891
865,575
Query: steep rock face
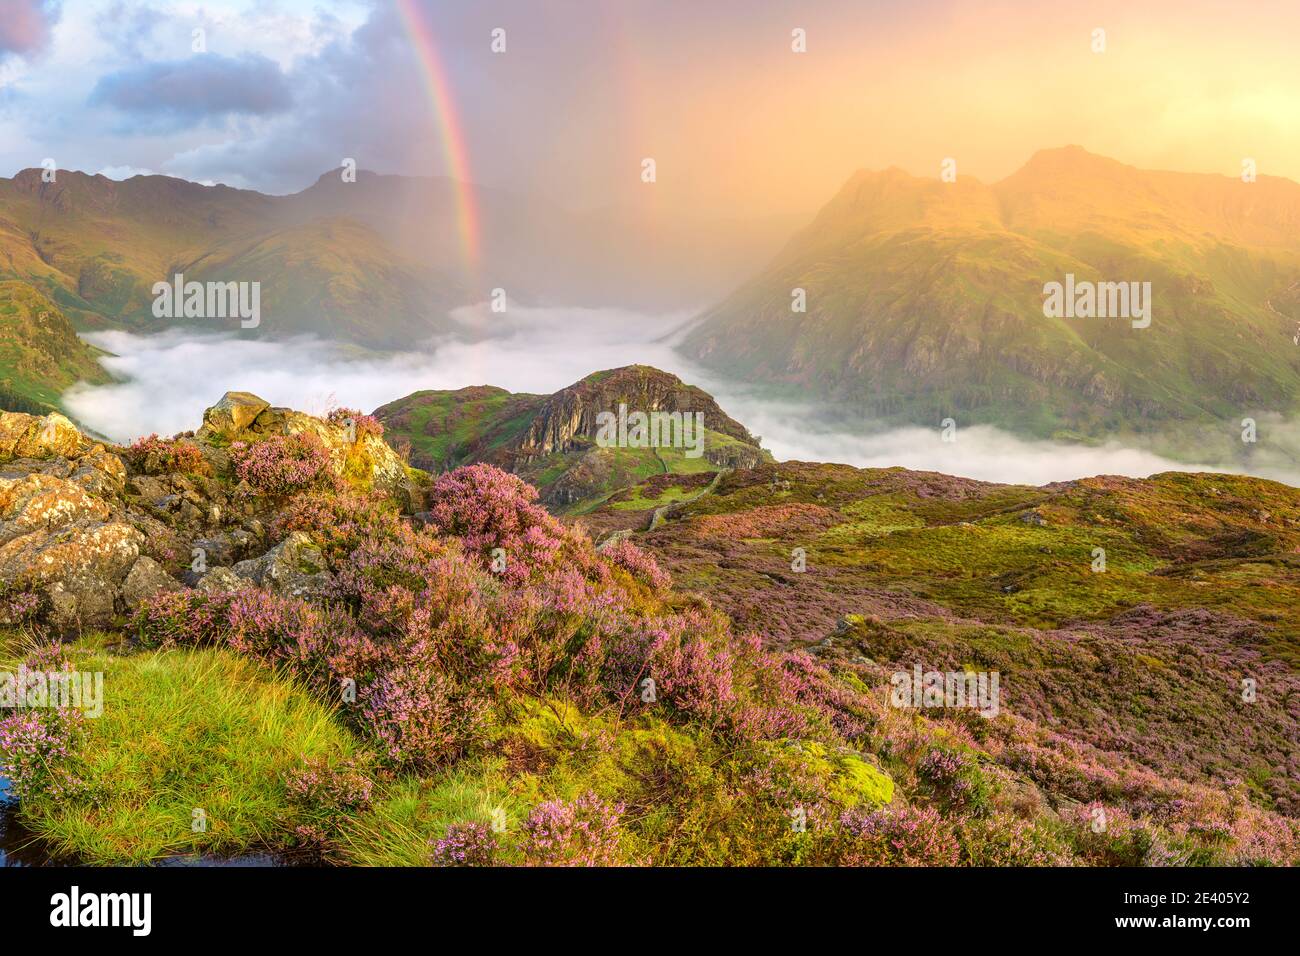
x,y
571,413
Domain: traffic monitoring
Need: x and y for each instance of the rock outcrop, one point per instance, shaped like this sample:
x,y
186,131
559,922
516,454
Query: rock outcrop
x,y
555,442
357,454
64,531
90,531
571,414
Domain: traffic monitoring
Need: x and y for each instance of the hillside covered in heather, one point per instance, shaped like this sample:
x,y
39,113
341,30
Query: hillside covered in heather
x,y
329,655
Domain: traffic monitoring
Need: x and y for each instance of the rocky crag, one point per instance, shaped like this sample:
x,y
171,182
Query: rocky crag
x,y
552,441
88,531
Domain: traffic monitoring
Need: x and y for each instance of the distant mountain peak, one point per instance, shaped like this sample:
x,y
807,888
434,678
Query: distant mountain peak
x,y
924,298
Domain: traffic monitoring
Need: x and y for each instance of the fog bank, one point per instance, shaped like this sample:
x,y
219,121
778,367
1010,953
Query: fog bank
x,y
168,379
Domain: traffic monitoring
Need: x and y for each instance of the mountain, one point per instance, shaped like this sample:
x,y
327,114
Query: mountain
x,y
925,300
378,262
40,354
553,441
97,246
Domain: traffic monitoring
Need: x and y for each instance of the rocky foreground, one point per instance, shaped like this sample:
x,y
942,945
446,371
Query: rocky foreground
x,y
336,656
95,531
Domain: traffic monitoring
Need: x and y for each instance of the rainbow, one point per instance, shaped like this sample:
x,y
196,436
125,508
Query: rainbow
x,y
450,130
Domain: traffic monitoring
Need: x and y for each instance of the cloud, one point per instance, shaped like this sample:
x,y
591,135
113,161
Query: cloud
x,y
123,172
182,93
128,26
357,96
25,26
170,378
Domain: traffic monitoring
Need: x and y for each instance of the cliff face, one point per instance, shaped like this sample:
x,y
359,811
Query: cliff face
x,y
571,414
552,441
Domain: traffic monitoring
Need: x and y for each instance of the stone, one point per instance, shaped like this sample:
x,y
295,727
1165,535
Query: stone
x,y
145,579
293,567
221,579
234,412
52,436
38,502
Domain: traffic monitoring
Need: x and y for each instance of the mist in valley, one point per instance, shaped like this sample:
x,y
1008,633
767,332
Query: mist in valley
x,y
165,381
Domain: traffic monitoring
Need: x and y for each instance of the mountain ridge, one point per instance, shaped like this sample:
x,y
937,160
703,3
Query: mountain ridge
x,y
925,300
97,246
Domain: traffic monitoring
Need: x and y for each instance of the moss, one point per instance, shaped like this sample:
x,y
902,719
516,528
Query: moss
x,y
857,782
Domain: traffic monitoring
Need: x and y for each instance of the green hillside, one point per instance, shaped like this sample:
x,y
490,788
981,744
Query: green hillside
x,y
40,355
96,247
925,300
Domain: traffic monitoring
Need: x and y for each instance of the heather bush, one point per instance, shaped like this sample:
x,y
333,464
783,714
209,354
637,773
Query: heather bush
x,y
327,794
320,645
955,780
363,425
333,790
1007,840
582,832
281,465
465,844
730,684
338,522
423,718
638,563
895,836
167,456
36,748
489,509
418,659
19,605
38,744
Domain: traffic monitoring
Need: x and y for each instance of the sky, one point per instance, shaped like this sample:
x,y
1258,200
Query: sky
x,y
738,123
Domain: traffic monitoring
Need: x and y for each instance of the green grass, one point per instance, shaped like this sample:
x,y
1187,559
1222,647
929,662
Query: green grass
x,y
637,502
184,730
40,355
399,828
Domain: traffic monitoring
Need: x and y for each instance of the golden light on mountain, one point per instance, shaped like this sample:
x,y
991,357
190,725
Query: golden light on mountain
x,y
740,122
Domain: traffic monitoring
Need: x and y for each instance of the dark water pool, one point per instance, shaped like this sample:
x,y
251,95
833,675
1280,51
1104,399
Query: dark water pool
x,y
20,847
